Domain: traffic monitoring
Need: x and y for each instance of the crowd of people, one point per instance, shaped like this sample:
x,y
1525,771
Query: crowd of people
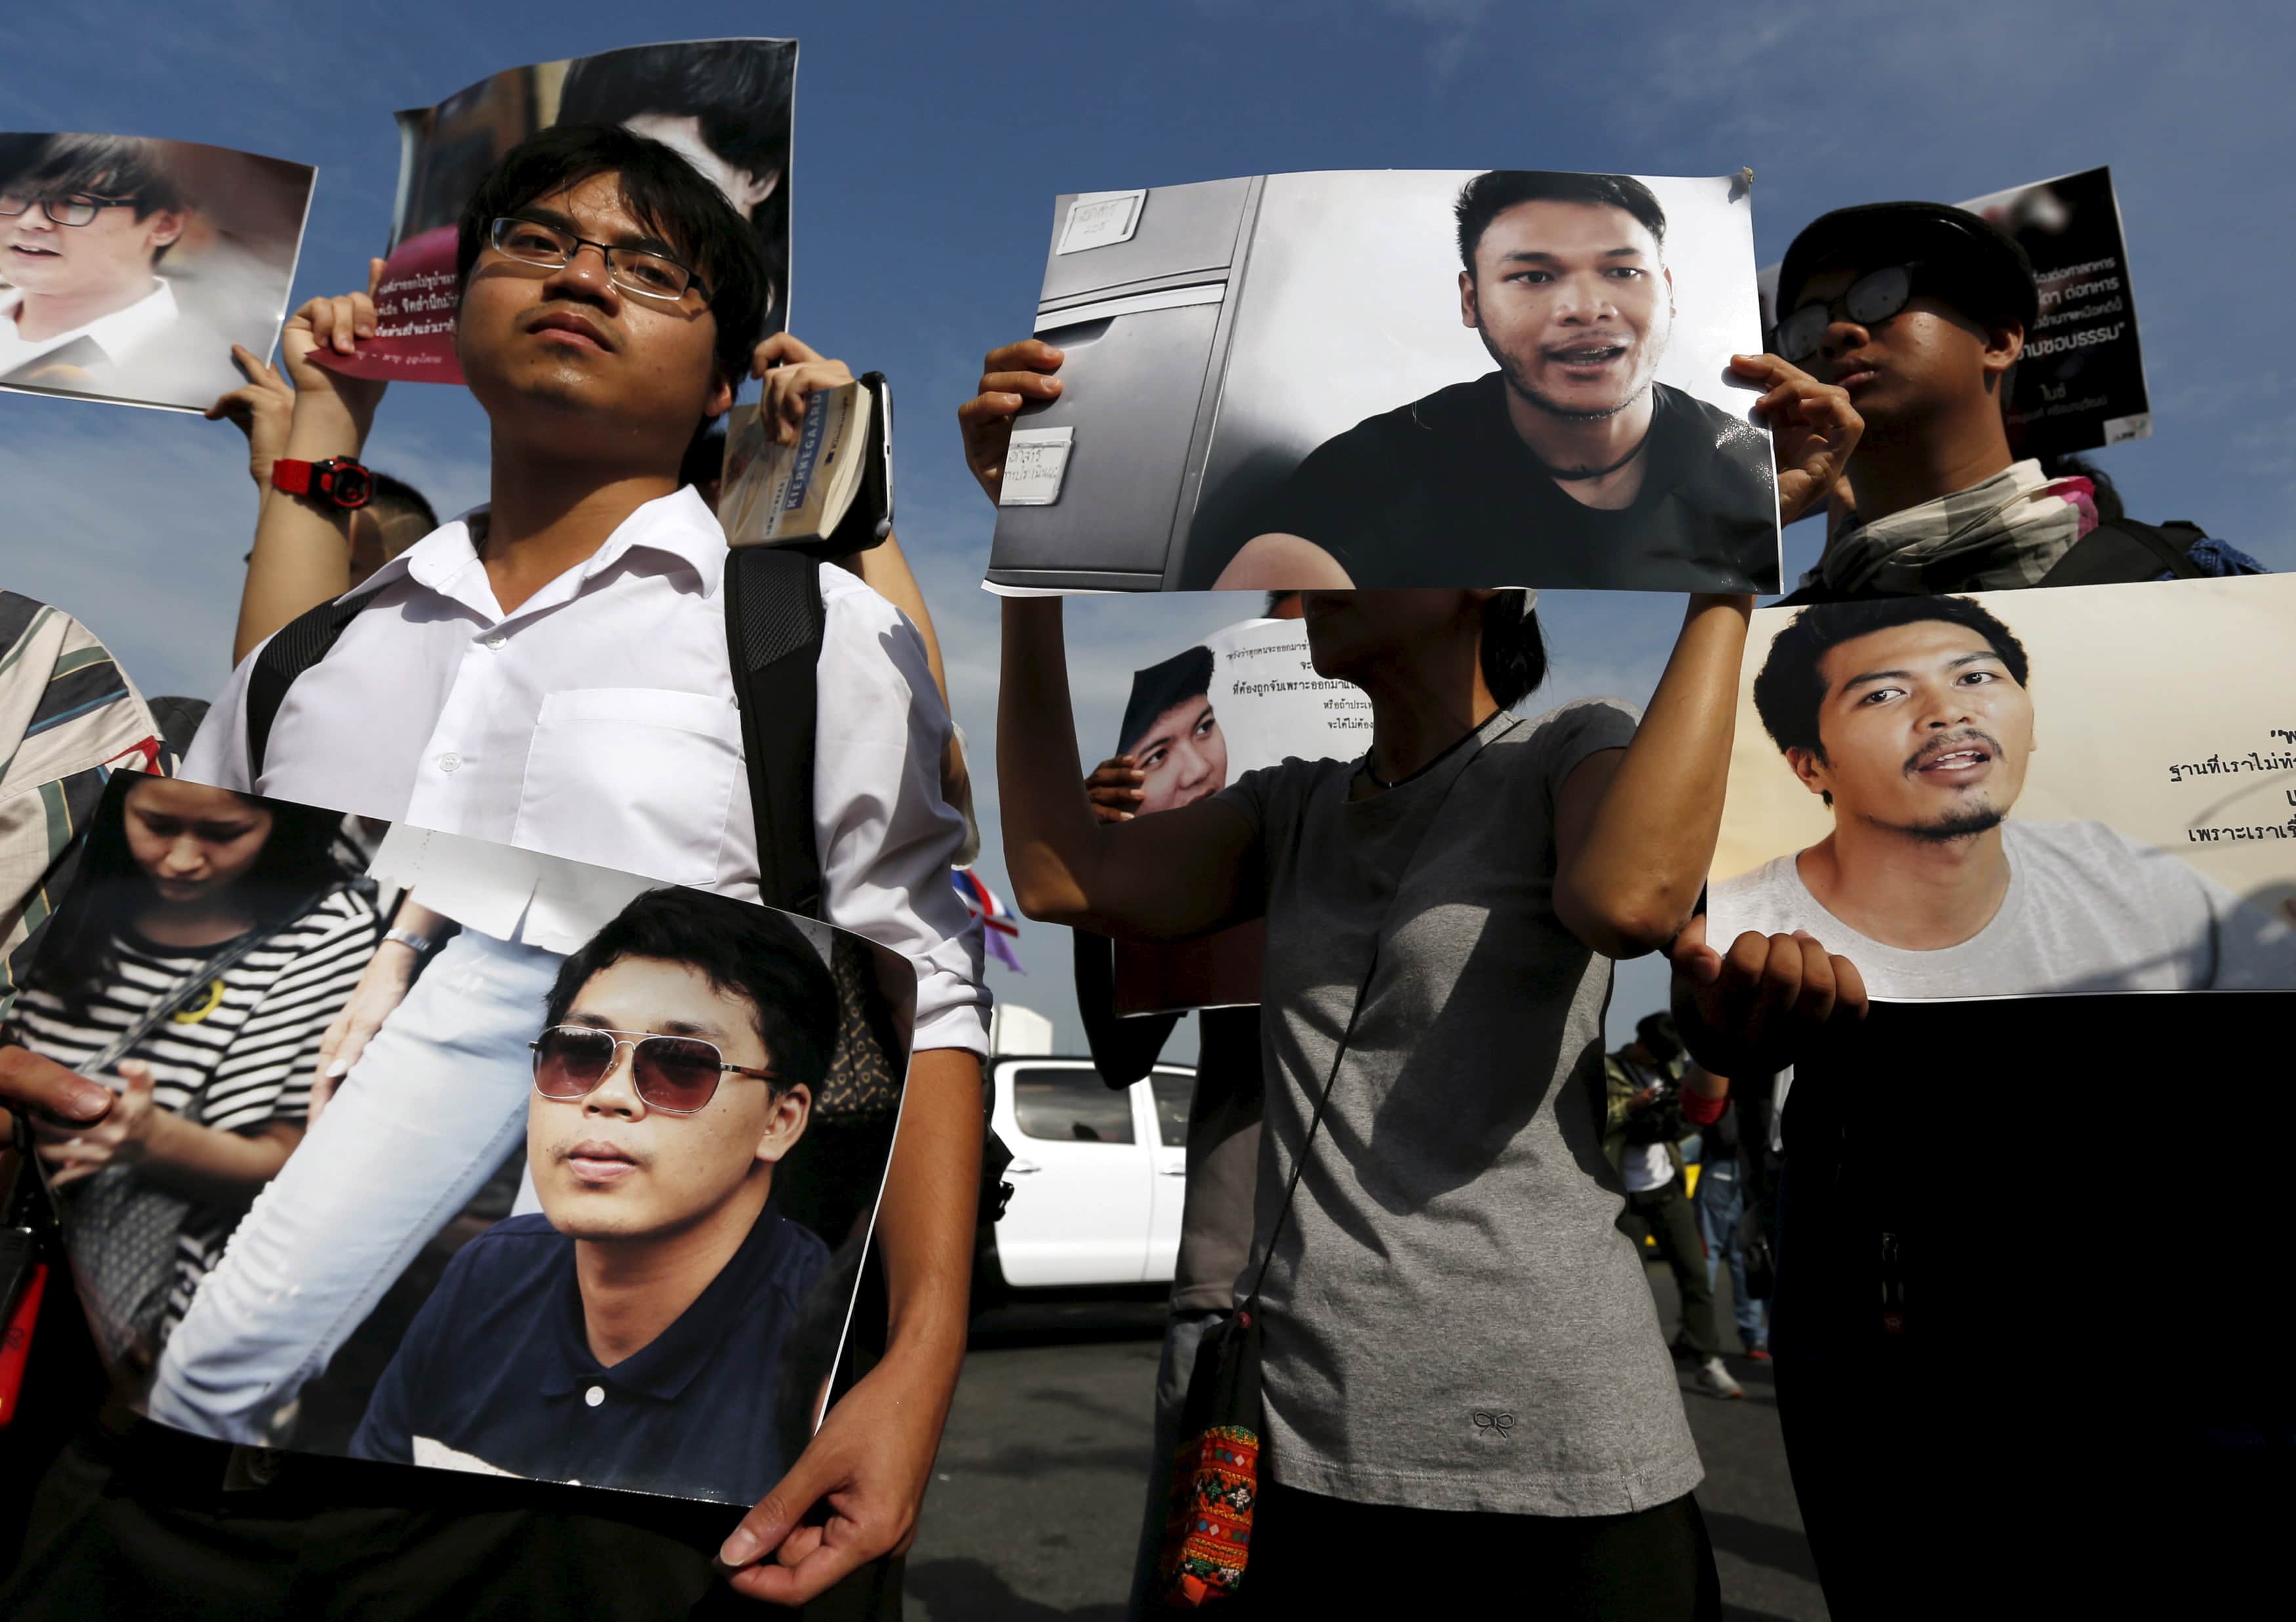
x,y
1414,1175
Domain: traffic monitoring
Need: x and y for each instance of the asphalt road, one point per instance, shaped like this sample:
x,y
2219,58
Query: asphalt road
x,y
1036,1505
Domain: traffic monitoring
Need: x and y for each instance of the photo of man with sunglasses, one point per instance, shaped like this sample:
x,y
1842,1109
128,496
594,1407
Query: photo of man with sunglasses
x,y
84,222
632,1335
1919,311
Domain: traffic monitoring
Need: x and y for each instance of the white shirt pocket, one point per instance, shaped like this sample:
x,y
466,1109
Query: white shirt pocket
x,y
638,779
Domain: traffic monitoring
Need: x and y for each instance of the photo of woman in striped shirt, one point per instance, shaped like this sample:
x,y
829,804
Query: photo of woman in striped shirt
x,y
210,941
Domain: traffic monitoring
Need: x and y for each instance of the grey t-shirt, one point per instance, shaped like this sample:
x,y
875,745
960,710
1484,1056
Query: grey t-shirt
x,y
1453,1320
2087,909
1223,1160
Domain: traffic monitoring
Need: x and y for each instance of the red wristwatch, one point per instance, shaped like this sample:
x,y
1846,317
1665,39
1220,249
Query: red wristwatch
x,y
338,482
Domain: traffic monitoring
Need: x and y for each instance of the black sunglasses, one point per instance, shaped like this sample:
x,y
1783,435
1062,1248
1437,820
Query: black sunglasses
x,y
1869,300
675,1074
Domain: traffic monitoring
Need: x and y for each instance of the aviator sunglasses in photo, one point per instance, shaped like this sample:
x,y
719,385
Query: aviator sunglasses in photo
x,y
675,1074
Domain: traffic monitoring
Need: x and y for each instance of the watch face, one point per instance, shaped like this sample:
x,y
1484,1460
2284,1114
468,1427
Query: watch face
x,y
347,484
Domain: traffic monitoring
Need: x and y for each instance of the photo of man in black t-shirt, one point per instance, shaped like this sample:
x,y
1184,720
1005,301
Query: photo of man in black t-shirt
x,y
1571,465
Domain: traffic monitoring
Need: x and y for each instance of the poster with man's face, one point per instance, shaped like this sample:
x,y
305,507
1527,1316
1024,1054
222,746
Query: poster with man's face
x,y
2020,793
1243,698
587,1205
129,265
1511,377
724,103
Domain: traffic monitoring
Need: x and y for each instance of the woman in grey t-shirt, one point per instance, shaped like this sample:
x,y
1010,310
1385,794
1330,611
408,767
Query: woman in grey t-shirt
x,y
1466,1388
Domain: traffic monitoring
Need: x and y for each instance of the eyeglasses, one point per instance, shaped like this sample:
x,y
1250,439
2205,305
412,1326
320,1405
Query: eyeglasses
x,y
65,210
650,276
675,1074
1869,300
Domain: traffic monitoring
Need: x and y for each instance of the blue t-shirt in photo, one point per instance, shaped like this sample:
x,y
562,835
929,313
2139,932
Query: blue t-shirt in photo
x,y
495,1372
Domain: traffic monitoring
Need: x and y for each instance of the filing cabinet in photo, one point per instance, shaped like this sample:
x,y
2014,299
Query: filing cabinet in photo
x,y
1101,489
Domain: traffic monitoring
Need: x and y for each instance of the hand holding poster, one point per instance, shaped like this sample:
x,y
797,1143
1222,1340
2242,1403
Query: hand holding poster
x,y
130,267
1245,697
724,103
1396,378
653,1122
2010,794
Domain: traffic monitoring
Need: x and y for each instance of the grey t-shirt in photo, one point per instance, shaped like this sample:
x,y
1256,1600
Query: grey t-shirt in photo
x,y
1451,1319
2087,909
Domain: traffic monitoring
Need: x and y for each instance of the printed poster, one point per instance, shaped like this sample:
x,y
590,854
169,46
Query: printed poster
x,y
588,1205
2020,793
130,266
1245,697
726,104
1397,378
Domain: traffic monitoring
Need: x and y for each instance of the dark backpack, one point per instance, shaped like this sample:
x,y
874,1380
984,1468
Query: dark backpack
x,y
2117,552
2121,550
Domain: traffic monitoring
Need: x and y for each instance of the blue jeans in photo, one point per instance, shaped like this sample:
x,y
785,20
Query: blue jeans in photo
x,y
1721,1201
436,1102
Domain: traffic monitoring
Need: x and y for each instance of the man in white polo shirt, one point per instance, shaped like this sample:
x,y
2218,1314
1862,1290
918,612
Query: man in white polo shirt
x,y
552,671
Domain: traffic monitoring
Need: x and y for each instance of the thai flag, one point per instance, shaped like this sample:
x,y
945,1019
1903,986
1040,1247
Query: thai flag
x,y
997,927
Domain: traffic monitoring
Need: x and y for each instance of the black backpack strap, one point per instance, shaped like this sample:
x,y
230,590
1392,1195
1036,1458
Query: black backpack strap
x,y
2121,550
774,622
295,647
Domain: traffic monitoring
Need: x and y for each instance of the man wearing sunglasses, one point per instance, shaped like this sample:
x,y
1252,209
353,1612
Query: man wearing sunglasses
x,y
85,222
634,1334
1919,311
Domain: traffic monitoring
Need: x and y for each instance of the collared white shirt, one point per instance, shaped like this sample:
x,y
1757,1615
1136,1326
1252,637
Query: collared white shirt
x,y
120,334
598,722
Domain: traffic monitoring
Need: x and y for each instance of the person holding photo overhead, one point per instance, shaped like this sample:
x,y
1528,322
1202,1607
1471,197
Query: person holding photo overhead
x,y
1460,1351
553,671
1921,311
1913,718
1570,465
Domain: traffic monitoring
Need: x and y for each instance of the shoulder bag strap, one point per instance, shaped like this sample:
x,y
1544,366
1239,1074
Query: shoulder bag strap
x,y
173,997
295,647
2108,552
774,627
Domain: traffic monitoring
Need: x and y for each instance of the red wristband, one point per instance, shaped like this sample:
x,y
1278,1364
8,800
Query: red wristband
x,y
1701,1109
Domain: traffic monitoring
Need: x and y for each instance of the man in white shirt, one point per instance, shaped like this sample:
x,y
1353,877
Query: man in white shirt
x,y
1913,718
83,228
552,671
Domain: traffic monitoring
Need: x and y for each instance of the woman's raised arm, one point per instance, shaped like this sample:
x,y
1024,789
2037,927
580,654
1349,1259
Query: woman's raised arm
x,y
1634,828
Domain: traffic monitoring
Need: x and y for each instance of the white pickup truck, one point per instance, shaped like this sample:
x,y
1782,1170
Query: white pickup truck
x,y
1097,1176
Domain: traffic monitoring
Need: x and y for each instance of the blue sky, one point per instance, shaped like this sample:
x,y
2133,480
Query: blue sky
x,y
931,139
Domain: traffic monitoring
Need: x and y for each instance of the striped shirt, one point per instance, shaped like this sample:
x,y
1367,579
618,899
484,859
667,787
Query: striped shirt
x,y
239,1053
69,718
